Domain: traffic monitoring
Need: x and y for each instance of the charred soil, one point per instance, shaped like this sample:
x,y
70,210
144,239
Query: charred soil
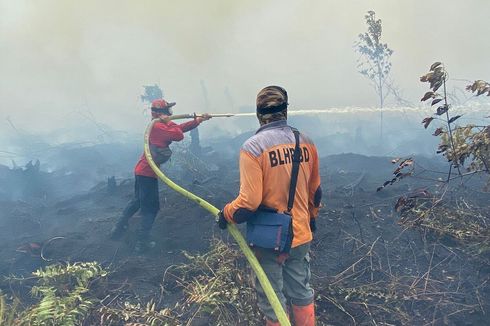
x,y
371,264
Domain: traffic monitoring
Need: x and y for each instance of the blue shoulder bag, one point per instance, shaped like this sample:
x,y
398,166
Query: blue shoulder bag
x,y
270,229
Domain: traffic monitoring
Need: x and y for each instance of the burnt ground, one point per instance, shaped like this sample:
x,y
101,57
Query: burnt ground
x,y
367,268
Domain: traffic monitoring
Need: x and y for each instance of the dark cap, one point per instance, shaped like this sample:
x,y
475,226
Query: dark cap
x,y
272,99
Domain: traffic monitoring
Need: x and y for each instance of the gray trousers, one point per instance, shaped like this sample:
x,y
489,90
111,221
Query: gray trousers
x,y
290,279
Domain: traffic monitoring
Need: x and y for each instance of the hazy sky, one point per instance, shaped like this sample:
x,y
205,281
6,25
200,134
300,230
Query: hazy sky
x,y
58,57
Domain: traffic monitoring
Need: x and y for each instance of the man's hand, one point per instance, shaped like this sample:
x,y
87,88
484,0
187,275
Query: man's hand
x,y
222,222
164,118
203,117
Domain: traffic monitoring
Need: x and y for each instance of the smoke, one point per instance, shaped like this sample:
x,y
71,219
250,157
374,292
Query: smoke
x,y
64,56
64,61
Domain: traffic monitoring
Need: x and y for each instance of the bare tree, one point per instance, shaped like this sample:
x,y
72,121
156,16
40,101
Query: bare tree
x,y
374,62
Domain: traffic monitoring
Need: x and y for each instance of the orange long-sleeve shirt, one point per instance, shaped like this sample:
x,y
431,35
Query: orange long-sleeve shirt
x,y
265,174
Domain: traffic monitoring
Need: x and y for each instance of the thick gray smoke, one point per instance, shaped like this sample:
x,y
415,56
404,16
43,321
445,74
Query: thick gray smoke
x,y
67,64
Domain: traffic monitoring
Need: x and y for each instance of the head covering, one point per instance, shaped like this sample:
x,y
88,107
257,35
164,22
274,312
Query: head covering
x,y
272,99
160,104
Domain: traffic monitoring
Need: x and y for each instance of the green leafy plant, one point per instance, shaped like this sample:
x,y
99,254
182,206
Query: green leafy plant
x,y
2,308
213,288
465,147
62,290
7,312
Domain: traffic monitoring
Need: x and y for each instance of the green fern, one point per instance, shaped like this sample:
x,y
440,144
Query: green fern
x,y
63,292
8,312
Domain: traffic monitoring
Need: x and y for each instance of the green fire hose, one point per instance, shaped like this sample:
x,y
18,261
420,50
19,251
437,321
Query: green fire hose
x,y
264,282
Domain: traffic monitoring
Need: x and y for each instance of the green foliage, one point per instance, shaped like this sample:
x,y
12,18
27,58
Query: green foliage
x,y
55,310
59,276
62,290
2,308
464,146
7,313
213,289
471,144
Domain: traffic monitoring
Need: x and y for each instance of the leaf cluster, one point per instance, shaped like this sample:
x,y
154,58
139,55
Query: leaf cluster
x,y
458,144
436,77
404,168
375,63
479,87
62,290
471,144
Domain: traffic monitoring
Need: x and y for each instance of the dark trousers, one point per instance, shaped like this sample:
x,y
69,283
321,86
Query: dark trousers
x,y
146,200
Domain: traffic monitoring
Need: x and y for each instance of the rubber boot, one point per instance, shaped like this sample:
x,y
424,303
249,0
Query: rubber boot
x,y
119,229
143,242
122,224
304,315
141,245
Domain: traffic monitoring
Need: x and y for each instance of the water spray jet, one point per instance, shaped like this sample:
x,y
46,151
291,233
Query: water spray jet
x,y
334,111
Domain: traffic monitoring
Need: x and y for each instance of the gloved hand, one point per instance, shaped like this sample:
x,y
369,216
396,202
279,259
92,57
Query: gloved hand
x,y
222,222
313,224
203,117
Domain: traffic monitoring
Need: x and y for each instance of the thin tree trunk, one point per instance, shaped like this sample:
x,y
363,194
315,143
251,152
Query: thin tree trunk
x,y
381,102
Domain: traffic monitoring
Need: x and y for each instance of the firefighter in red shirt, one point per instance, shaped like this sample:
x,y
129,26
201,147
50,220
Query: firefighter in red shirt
x,y
146,197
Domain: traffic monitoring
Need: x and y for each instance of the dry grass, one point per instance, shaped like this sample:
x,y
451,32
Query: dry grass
x,y
214,288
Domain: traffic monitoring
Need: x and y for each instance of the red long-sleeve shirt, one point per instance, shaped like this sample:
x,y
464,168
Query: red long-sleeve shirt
x,y
162,135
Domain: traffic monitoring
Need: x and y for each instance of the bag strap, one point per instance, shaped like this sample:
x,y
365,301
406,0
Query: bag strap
x,y
294,172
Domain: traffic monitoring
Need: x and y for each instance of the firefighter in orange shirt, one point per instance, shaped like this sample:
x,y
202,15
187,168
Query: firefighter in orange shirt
x,y
265,175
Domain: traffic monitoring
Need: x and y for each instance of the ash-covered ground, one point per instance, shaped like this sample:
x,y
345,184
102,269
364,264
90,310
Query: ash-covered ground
x,y
372,264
